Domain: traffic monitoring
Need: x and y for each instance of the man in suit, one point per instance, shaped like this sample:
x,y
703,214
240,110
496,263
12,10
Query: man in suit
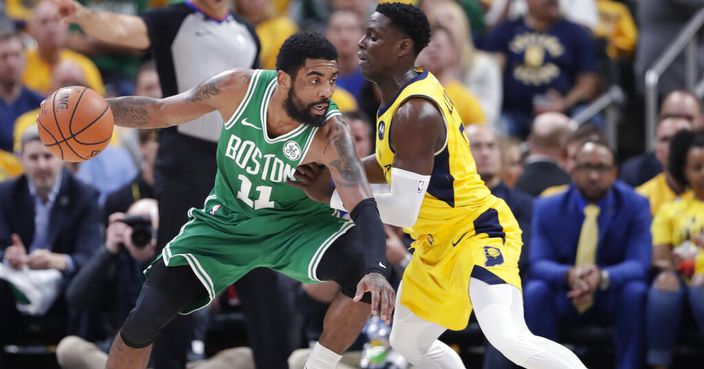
x,y
679,104
590,254
48,220
543,167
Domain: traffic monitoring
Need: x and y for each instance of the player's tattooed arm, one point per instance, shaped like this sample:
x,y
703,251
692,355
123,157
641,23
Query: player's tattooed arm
x,y
346,162
209,95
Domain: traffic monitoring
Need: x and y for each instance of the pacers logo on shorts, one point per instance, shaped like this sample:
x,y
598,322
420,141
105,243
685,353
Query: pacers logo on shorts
x,y
493,256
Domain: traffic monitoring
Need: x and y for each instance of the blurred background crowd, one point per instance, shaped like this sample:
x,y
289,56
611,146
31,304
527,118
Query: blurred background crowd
x,y
534,82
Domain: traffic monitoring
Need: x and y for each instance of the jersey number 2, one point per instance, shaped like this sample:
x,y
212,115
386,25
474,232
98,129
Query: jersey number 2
x,y
262,202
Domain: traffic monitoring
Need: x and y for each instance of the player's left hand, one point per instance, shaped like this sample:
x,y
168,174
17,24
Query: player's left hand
x,y
383,295
314,180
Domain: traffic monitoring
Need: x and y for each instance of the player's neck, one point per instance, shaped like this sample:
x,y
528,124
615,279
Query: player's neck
x,y
278,122
391,85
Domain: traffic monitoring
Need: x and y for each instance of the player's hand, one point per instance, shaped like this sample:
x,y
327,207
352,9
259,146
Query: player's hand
x,y
16,254
314,180
69,10
383,295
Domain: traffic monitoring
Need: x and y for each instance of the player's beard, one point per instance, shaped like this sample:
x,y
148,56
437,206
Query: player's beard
x,y
303,115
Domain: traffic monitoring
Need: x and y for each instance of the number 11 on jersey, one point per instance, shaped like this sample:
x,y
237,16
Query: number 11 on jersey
x,y
262,202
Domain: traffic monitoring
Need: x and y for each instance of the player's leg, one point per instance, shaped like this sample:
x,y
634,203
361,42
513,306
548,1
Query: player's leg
x,y
417,340
499,310
343,262
165,293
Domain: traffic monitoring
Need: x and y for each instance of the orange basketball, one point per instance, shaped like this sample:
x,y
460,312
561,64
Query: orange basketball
x,y
75,123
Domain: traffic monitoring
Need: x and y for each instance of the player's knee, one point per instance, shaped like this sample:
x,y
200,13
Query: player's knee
x,y
406,345
516,347
151,313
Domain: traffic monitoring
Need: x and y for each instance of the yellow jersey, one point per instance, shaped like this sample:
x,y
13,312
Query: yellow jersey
x,y
38,73
461,230
659,192
679,221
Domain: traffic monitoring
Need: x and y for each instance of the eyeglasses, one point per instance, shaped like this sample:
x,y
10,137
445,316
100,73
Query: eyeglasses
x,y
599,168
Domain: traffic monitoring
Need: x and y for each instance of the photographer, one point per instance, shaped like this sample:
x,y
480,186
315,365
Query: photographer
x,y
110,282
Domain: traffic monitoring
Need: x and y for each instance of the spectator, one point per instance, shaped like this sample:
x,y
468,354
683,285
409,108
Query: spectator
x,y
48,220
575,140
313,15
110,283
45,27
344,31
543,166
442,58
477,70
548,65
272,29
664,187
660,21
142,185
678,104
178,36
617,26
15,97
589,258
362,131
485,149
66,73
677,227
582,12
512,160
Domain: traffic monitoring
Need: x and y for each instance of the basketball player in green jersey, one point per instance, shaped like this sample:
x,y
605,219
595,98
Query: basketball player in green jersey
x,y
274,121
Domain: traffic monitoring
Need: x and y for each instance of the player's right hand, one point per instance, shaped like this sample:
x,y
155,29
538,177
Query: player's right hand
x,y
314,180
69,10
383,295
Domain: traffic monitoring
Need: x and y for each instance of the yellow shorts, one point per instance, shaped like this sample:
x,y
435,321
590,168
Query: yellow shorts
x,y
436,282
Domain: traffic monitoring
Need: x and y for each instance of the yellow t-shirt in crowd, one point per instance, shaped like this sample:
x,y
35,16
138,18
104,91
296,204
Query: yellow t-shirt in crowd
x,y
344,100
679,221
659,192
617,26
10,165
38,73
467,105
272,33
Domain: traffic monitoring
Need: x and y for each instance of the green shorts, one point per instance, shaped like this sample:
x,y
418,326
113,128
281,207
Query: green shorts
x,y
221,246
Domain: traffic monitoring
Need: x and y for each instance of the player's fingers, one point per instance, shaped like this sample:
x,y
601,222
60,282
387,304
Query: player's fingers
x,y
385,306
361,289
375,301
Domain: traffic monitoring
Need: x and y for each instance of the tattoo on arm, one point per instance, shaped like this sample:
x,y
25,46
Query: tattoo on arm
x,y
131,111
205,91
347,164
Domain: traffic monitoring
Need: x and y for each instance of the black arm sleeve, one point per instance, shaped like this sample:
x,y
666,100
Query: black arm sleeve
x,y
366,217
86,287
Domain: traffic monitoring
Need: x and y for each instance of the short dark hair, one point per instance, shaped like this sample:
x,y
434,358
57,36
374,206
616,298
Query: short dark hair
x,y
301,46
410,20
681,143
597,142
585,132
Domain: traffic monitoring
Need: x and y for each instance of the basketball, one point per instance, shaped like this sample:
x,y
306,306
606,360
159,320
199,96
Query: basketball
x,y
75,123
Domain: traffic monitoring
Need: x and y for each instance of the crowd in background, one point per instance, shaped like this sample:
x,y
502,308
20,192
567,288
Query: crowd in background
x,y
629,219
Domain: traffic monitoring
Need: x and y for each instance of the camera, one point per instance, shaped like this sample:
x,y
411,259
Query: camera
x,y
142,231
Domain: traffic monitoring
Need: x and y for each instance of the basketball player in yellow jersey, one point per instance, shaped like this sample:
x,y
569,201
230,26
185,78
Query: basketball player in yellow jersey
x,y
467,242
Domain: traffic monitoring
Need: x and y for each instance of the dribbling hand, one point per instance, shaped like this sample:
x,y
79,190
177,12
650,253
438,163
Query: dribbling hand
x,y
383,295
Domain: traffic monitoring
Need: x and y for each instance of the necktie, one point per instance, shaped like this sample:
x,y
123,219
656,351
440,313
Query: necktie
x,y
586,248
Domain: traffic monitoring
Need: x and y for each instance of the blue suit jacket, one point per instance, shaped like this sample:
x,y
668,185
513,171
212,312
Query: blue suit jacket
x,y
624,248
74,221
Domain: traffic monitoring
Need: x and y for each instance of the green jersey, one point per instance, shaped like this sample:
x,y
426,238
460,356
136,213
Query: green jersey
x,y
252,217
252,167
